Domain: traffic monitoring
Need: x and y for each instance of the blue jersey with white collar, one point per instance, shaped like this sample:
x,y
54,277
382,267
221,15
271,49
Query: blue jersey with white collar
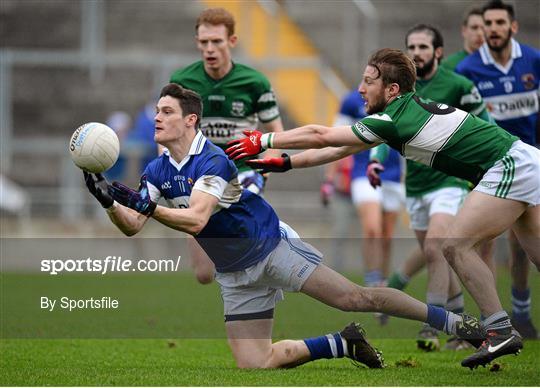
x,y
352,110
243,228
511,92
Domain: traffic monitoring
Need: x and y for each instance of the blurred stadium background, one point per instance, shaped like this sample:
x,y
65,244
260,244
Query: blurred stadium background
x,y
67,62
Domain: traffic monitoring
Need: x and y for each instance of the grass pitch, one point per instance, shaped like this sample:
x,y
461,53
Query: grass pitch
x,y
198,355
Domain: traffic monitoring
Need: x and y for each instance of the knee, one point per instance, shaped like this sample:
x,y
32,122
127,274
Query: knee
x,y
452,251
433,251
372,231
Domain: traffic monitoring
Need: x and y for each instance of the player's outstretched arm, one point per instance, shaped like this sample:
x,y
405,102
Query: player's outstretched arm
x,y
192,219
307,137
304,159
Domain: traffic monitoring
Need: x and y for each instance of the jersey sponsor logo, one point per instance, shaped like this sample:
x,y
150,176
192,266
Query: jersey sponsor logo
x,y
215,130
485,85
512,106
238,109
528,81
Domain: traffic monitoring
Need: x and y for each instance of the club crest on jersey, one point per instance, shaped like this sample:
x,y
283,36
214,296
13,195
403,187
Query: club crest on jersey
x,y
238,108
528,81
190,181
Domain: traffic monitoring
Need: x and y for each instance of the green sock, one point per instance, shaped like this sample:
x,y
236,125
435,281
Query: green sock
x,y
398,280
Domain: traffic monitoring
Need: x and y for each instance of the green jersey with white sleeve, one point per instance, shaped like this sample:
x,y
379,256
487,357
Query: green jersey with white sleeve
x,y
437,135
232,104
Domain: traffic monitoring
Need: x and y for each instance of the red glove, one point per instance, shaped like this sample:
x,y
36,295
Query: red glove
x,y
271,164
372,172
246,146
327,192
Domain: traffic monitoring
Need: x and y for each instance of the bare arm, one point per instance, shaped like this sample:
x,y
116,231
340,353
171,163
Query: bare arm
x,y
315,136
190,220
316,157
127,220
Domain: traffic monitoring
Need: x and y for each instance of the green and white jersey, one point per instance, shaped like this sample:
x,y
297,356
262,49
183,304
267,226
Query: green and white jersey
x,y
437,135
451,61
454,90
231,104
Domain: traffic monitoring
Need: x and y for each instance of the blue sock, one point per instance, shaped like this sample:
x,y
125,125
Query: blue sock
x,y
440,319
436,317
373,278
326,346
521,305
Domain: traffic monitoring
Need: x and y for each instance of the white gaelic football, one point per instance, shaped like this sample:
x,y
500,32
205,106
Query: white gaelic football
x,y
94,147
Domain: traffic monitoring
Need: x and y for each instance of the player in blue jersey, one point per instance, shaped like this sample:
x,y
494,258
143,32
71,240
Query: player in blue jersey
x,y
507,74
256,256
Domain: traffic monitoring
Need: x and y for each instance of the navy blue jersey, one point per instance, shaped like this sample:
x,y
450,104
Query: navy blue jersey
x,y
352,110
243,228
510,92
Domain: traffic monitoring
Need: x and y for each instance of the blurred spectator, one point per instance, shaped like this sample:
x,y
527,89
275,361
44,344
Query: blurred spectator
x,y
120,122
13,198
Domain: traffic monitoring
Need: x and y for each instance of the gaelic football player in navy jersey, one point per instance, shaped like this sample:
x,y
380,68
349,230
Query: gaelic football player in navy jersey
x,y
256,256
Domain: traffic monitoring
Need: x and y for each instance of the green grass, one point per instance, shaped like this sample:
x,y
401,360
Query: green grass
x,y
191,349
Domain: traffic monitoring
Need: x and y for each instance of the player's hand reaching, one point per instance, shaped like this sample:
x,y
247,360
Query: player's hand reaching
x,y
373,170
271,164
139,201
244,147
97,185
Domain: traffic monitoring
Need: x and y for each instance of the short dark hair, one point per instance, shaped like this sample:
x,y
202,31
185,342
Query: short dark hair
x,y
436,36
189,101
216,17
394,66
471,12
498,4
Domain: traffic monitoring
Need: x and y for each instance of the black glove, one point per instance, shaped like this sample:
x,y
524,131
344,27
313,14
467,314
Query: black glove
x,y
98,188
139,201
271,164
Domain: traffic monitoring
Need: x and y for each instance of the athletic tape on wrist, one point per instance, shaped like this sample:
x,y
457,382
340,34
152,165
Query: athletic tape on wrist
x,y
267,141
